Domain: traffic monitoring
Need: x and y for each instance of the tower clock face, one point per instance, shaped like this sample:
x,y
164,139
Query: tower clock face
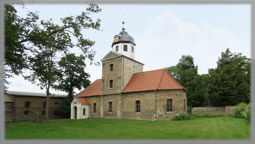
x,y
116,39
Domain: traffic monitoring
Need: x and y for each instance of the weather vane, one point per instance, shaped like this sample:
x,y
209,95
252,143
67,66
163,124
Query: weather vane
x,y
123,23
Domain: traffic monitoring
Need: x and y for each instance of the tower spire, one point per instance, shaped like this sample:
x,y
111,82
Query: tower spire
x,y
123,26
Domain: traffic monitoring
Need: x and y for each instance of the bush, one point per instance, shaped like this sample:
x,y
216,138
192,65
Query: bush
x,y
189,110
239,111
183,116
247,113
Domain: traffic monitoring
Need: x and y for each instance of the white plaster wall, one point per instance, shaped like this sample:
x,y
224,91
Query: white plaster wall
x,y
80,110
87,110
129,52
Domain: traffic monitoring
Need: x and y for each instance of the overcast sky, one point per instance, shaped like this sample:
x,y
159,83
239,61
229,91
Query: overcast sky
x,y
162,33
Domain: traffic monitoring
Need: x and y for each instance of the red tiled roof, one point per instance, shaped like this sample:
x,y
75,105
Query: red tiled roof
x,y
83,100
152,80
92,90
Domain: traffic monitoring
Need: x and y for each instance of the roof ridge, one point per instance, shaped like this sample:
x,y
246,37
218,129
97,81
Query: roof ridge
x,y
160,79
149,71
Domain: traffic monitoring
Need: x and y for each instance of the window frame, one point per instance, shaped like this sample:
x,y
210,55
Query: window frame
x,y
111,67
110,107
132,49
27,104
137,106
169,105
110,83
84,111
125,48
117,48
95,107
44,104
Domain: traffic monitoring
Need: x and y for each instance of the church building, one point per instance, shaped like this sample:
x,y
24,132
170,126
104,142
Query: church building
x,y
126,91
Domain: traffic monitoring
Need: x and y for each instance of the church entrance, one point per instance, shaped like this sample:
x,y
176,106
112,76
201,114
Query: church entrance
x,y
75,112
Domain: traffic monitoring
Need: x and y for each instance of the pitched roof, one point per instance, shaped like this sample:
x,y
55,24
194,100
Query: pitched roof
x,y
33,94
83,100
152,80
92,90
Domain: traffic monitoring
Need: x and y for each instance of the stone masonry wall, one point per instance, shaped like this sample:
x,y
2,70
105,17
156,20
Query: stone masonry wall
x,y
115,99
92,100
35,110
179,102
130,67
147,104
114,75
124,105
213,111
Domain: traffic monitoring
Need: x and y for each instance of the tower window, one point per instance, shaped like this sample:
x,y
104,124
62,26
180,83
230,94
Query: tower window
x,y
27,104
110,106
117,48
125,48
169,105
111,84
138,109
132,49
111,67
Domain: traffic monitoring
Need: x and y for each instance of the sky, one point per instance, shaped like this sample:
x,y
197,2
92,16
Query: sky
x,y
162,33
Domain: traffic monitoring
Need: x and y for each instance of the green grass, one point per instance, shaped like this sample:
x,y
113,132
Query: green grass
x,y
198,128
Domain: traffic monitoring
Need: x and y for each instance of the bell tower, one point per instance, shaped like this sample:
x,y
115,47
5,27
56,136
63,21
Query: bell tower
x,y
124,44
119,64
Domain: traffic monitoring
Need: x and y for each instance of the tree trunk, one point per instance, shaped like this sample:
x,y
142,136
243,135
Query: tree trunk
x,y
47,104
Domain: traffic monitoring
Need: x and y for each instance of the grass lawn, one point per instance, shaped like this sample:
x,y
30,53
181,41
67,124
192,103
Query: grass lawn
x,y
198,128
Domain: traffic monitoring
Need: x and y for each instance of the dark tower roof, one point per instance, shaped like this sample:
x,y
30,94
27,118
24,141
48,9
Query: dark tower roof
x,y
123,37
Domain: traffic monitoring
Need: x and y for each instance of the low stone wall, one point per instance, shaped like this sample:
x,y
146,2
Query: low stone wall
x,y
213,111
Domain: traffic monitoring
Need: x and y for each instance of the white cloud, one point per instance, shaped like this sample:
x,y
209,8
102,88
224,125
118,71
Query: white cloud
x,y
166,38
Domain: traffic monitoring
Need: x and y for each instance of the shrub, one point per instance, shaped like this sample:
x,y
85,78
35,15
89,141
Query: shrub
x,y
183,116
239,111
247,113
189,110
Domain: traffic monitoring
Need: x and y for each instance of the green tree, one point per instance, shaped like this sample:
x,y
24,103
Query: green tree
x,y
228,84
33,44
44,72
23,36
174,72
185,72
200,97
72,76
187,63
